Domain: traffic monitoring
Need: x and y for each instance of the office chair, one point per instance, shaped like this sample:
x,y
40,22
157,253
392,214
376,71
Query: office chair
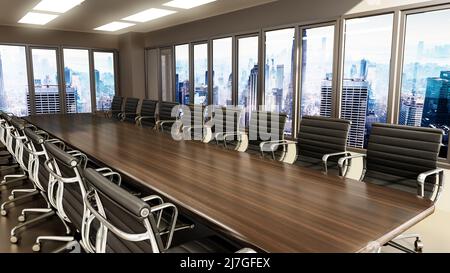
x,y
194,122
40,177
130,111
129,224
147,116
24,160
165,115
8,162
264,126
5,157
319,140
225,121
116,108
13,146
404,158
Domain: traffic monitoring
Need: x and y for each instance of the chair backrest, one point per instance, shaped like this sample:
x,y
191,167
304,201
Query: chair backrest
x,y
8,131
165,110
131,105
40,176
67,170
122,216
21,155
148,108
226,119
322,135
402,151
116,105
197,118
261,127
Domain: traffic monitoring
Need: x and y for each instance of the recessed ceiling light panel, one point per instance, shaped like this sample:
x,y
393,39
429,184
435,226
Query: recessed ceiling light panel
x,y
37,18
148,15
114,26
59,6
187,4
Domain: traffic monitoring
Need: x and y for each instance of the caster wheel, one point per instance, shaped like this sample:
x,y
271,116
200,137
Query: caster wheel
x,y
11,197
37,248
21,218
13,240
418,245
3,212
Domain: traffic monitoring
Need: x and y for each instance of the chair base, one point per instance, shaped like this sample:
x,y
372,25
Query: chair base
x,y
418,245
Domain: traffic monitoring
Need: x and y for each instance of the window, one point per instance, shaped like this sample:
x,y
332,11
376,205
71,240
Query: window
x,y
104,79
248,72
222,71
366,79
317,71
78,80
46,81
13,80
425,89
201,74
166,74
182,74
279,75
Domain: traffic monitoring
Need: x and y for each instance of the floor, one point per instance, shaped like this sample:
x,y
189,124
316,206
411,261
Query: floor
x,y
48,227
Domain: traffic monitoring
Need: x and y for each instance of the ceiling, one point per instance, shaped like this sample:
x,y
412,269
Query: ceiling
x,y
94,13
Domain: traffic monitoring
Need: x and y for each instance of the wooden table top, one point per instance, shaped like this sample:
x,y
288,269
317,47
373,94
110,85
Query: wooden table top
x,y
272,206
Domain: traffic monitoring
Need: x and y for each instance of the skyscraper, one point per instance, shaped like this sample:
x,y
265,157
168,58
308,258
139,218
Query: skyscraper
x,y
354,103
437,101
355,96
252,87
3,104
411,112
326,96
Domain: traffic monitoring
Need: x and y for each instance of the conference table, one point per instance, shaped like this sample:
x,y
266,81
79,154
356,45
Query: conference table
x,y
268,205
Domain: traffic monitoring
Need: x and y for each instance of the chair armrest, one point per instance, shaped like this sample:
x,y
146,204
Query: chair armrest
x,y
160,201
153,197
103,169
228,134
61,144
42,133
343,160
173,222
439,182
144,117
327,156
274,144
246,251
108,173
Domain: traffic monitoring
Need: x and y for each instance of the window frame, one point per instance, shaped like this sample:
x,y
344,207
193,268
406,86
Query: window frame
x,y
211,69
300,75
401,53
341,66
60,63
60,83
116,73
91,75
295,77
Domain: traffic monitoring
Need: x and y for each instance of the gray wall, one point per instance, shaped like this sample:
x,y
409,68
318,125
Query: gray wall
x,y
22,35
132,64
273,14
